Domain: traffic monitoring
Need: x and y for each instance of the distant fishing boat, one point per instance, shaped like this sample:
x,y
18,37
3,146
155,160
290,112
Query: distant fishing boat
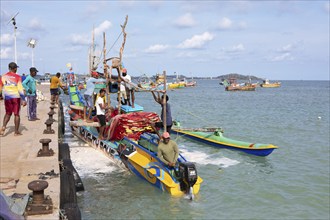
x,y
232,85
214,137
267,84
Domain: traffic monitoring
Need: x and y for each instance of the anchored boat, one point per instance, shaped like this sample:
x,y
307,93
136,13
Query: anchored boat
x,y
134,148
214,137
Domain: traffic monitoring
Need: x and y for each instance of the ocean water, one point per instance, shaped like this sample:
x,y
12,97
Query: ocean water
x,y
291,183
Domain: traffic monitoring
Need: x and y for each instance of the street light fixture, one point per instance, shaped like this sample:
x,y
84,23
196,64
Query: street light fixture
x,y
13,19
32,43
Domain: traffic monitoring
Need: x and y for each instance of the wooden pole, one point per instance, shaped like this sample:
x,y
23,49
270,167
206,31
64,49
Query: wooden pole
x,y
164,102
120,61
105,69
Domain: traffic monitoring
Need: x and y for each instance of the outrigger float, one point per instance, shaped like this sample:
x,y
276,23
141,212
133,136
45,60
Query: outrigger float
x,y
214,137
129,139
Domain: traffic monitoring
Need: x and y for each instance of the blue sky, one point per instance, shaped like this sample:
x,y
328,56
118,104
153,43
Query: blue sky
x,y
285,40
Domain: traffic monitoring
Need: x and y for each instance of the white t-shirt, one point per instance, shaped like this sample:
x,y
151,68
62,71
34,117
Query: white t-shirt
x,y
127,78
99,111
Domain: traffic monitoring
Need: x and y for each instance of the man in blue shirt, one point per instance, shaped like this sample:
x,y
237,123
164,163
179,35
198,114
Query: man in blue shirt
x,y
88,95
29,85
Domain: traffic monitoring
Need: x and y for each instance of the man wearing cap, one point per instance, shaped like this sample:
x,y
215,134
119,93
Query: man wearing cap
x,y
11,86
168,150
126,85
88,95
29,85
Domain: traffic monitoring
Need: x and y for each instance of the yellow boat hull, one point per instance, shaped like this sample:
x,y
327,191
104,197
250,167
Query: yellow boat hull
x,y
144,165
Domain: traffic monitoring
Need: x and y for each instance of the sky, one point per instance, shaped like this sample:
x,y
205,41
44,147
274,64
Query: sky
x,y
277,40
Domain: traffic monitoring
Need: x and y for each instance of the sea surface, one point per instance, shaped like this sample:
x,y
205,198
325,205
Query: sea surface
x,y
291,183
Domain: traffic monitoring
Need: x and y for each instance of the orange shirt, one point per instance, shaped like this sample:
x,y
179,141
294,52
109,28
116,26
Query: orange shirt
x,y
55,82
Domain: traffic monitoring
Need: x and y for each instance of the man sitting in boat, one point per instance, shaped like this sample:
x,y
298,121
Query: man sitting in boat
x,y
168,150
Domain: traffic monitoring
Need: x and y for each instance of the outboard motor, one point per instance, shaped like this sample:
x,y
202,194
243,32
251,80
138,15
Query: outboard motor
x,y
187,177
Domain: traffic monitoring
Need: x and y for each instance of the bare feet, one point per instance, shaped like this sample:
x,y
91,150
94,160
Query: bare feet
x,y
17,134
2,131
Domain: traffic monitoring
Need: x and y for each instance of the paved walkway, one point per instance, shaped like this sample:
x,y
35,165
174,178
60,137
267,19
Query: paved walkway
x,y
19,164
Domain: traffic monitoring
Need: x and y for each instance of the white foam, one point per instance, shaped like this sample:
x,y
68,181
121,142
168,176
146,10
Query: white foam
x,y
89,161
204,159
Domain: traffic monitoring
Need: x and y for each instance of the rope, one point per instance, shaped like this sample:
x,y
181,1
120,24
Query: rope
x,y
208,122
110,47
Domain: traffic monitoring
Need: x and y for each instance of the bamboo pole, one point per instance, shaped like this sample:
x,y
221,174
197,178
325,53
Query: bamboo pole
x,y
105,69
164,103
119,69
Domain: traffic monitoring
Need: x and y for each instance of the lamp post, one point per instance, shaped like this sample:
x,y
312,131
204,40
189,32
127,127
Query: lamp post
x,y
13,20
32,43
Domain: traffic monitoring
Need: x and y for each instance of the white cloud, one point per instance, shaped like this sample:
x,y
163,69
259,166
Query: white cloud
x,y
157,48
237,48
6,39
76,39
286,48
225,23
35,24
6,53
197,41
102,27
282,57
186,20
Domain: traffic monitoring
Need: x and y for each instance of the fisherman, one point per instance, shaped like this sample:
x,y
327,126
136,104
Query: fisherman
x,y
55,83
129,89
11,84
100,113
29,85
168,150
88,95
160,100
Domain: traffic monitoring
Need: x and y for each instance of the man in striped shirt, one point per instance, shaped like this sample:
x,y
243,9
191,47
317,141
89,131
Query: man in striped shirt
x,y
12,90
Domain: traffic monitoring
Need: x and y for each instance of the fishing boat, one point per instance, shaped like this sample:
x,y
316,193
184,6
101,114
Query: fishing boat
x,y
214,137
232,85
130,142
141,158
267,84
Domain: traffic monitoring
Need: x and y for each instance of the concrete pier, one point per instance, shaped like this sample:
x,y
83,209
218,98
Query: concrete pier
x,y
19,160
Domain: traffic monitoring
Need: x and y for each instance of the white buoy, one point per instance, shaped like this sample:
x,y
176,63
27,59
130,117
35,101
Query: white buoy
x,y
319,117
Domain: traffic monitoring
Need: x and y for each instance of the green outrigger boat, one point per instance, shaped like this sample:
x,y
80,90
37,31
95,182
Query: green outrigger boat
x,y
214,137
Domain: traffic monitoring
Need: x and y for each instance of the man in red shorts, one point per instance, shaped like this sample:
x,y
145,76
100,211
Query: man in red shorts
x,y
12,90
